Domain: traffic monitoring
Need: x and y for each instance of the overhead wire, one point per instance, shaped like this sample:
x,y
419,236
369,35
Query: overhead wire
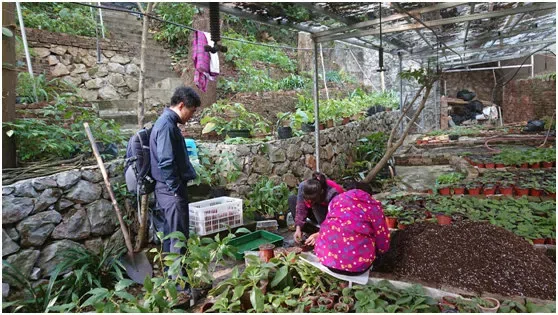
x,y
154,17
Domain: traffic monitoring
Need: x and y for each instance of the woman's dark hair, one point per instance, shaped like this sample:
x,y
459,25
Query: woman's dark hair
x,y
315,188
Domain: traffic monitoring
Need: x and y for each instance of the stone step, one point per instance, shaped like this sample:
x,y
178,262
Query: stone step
x,y
116,105
168,84
127,118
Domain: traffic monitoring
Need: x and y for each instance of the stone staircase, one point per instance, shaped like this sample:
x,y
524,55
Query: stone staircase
x,y
124,26
160,82
124,111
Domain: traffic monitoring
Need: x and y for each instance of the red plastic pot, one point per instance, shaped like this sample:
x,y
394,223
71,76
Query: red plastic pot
x,y
459,191
500,165
552,195
401,226
391,222
444,191
429,191
489,191
521,191
489,165
480,165
443,219
474,191
524,165
506,191
550,241
535,192
547,164
538,241
428,214
535,165
346,120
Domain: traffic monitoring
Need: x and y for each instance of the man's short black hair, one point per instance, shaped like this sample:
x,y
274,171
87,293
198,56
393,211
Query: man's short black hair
x,y
187,95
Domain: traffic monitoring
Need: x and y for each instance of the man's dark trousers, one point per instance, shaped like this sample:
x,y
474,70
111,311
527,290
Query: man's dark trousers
x,y
175,210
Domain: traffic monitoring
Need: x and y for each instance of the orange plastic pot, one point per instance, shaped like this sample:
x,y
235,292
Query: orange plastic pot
x,y
443,219
524,165
489,191
459,191
391,222
535,192
500,165
506,191
401,226
547,164
521,191
538,241
474,191
444,191
489,165
535,165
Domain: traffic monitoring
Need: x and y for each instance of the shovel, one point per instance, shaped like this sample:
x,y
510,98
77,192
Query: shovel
x,y
137,265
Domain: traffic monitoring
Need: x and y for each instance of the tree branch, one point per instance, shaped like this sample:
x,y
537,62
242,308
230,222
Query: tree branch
x,y
403,113
140,6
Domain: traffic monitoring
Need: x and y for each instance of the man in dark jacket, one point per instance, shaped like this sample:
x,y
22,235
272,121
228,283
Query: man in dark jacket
x,y
170,165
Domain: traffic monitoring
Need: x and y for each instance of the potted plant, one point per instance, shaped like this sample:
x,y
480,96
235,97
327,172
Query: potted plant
x,y
405,220
239,123
487,304
267,199
489,189
445,181
473,188
347,300
506,188
325,302
391,213
341,308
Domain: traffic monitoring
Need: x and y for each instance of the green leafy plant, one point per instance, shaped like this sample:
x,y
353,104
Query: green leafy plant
x,y
239,118
446,180
60,133
267,198
59,17
175,36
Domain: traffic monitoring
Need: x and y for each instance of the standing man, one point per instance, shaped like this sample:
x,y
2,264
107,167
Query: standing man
x,y
170,165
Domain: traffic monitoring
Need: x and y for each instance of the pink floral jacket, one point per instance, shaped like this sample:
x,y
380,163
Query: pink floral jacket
x,y
353,232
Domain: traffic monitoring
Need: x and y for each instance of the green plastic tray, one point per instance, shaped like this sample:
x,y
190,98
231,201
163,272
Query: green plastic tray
x,y
252,242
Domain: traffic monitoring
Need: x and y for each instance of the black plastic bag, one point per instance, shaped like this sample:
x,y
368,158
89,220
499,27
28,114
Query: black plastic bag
x,y
475,107
375,109
534,125
466,95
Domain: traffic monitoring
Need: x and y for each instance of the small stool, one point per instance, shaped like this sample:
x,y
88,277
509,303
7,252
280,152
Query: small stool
x,y
314,261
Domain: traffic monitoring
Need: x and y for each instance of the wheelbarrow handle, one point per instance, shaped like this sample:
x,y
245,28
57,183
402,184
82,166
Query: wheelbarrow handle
x,y
109,188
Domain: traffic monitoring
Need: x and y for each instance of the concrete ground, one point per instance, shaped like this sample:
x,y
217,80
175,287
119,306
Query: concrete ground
x,y
420,178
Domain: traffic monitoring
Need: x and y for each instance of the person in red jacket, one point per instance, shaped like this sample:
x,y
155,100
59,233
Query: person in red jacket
x,y
312,200
353,232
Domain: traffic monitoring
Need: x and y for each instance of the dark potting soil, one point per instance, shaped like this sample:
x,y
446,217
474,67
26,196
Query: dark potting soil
x,y
475,256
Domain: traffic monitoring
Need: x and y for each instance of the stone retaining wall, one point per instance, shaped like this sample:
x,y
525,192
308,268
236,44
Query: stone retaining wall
x,y
43,216
73,59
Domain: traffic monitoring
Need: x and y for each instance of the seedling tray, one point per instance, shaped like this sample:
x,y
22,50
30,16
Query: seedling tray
x,y
252,242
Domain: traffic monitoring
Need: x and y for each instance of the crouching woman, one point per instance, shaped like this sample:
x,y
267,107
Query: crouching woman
x,y
352,234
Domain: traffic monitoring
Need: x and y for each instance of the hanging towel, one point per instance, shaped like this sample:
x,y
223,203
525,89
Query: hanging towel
x,y
214,59
201,60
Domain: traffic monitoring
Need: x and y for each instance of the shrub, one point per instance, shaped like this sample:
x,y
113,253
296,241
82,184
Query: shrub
x,y
59,17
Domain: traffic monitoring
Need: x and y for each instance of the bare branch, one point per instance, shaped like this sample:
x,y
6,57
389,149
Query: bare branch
x,y
403,113
140,6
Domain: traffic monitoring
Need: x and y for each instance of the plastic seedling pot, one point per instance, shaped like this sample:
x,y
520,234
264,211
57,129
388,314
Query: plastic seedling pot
x,y
489,165
391,222
506,191
535,192
547,164
535,165
443,219
474,191
444,191
538,241
459,191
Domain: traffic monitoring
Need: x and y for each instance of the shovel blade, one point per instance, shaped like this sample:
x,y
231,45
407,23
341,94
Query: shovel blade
x,y
137,266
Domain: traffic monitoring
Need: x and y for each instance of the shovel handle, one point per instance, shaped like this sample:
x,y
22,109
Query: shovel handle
x,y
109,188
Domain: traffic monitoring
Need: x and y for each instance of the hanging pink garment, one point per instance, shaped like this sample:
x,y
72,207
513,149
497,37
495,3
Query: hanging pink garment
x,y
201,60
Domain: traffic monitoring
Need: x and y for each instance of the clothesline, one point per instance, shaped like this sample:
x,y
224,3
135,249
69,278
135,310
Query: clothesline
x,y
193,29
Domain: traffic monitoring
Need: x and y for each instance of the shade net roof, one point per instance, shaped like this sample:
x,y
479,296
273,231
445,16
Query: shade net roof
x,y
453,33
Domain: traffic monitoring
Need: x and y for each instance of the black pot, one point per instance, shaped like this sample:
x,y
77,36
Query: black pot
x,y
453,137
199,293
307,127
284,132
243,133
219,191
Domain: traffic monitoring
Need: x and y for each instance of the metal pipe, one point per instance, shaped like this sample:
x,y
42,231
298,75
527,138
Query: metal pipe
x,y
316,106
487,68
26,48
101,18
532,66
400,55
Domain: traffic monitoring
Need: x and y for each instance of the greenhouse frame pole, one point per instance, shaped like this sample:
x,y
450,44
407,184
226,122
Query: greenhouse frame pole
x,y
316,106
26,49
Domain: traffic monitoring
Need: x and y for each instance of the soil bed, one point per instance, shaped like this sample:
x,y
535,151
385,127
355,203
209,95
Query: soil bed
x,y
475,256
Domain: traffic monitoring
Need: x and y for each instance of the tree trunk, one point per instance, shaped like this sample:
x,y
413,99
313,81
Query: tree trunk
x,y
391,148
9,81
141,83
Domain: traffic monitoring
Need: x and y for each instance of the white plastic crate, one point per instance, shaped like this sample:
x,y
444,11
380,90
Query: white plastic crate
x,y
215,215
